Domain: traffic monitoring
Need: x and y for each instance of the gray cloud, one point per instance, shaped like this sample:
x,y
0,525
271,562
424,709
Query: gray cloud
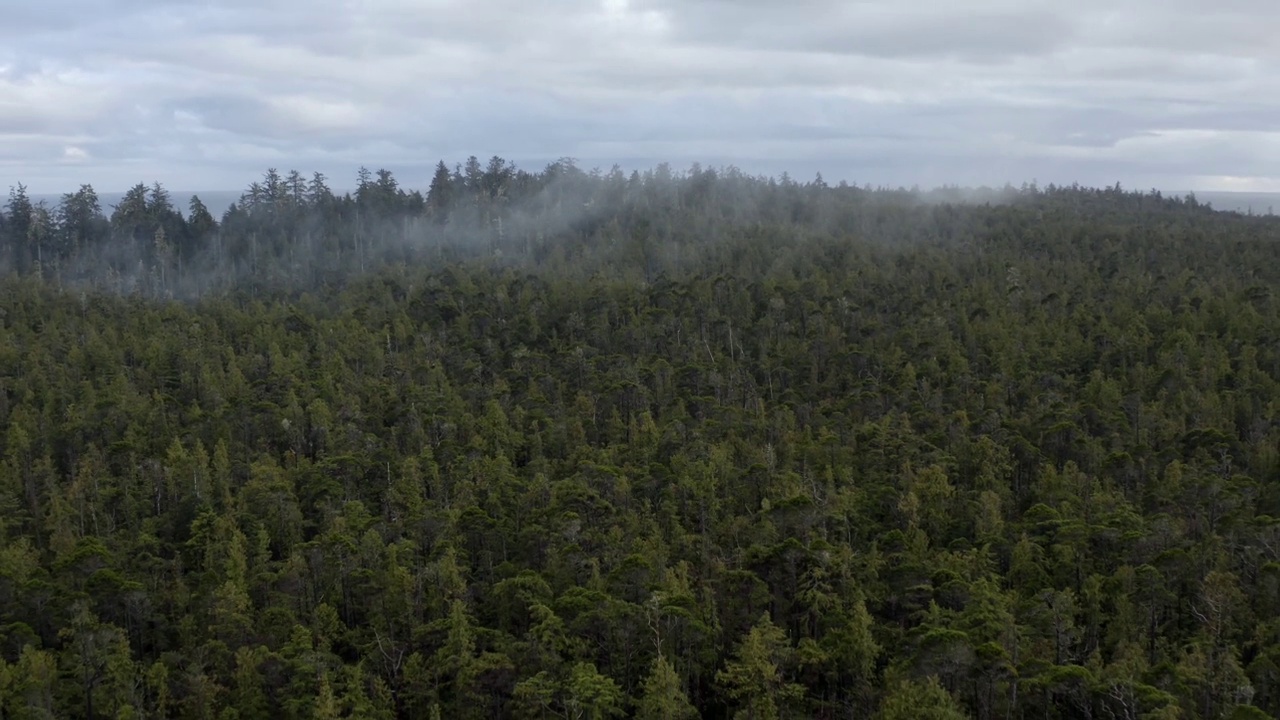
x,y
208,93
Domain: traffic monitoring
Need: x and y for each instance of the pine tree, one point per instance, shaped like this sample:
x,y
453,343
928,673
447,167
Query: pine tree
x,y
663,697
755,677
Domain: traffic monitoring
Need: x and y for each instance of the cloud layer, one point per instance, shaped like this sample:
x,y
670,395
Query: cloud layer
x,y
1174,94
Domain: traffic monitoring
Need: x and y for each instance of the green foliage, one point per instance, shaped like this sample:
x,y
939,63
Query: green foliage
x,y
754,677
670,446
663,697
926,700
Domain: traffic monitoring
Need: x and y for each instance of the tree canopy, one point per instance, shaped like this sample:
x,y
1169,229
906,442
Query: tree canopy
x,y
578,444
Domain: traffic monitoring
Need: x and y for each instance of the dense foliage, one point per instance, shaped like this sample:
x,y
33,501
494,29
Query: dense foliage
x,y
670,446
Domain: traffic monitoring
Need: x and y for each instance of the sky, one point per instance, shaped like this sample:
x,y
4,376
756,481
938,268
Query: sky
x,y
208,94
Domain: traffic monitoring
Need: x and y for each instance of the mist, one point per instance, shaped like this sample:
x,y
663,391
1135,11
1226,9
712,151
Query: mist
x,y
288,232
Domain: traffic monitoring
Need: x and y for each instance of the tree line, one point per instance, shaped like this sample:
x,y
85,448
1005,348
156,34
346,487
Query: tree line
x,y
287,230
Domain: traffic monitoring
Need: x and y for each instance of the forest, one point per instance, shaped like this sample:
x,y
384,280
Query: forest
x,y
665,445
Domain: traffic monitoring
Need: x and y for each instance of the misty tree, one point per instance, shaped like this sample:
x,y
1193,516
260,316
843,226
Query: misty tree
x,y
20,216
440,195
200,221
318,192
42,236
473,175
131,218
296,186
496,176
274,189
165,217
80,221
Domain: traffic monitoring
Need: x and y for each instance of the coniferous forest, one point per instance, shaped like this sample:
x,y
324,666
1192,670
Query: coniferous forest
x,y
666,445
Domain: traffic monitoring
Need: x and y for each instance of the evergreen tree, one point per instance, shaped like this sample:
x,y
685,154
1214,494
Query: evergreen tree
x,y
663,697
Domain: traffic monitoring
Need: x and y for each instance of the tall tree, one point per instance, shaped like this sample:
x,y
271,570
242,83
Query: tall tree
x,y
21,217
440,196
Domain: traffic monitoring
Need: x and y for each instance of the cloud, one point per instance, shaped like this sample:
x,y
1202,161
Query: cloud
x,y
207,94
73,154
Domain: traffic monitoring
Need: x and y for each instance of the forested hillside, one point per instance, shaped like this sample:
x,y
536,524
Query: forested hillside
x,y
674,445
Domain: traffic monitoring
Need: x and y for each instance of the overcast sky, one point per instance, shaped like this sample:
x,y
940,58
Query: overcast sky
x,y
206,94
